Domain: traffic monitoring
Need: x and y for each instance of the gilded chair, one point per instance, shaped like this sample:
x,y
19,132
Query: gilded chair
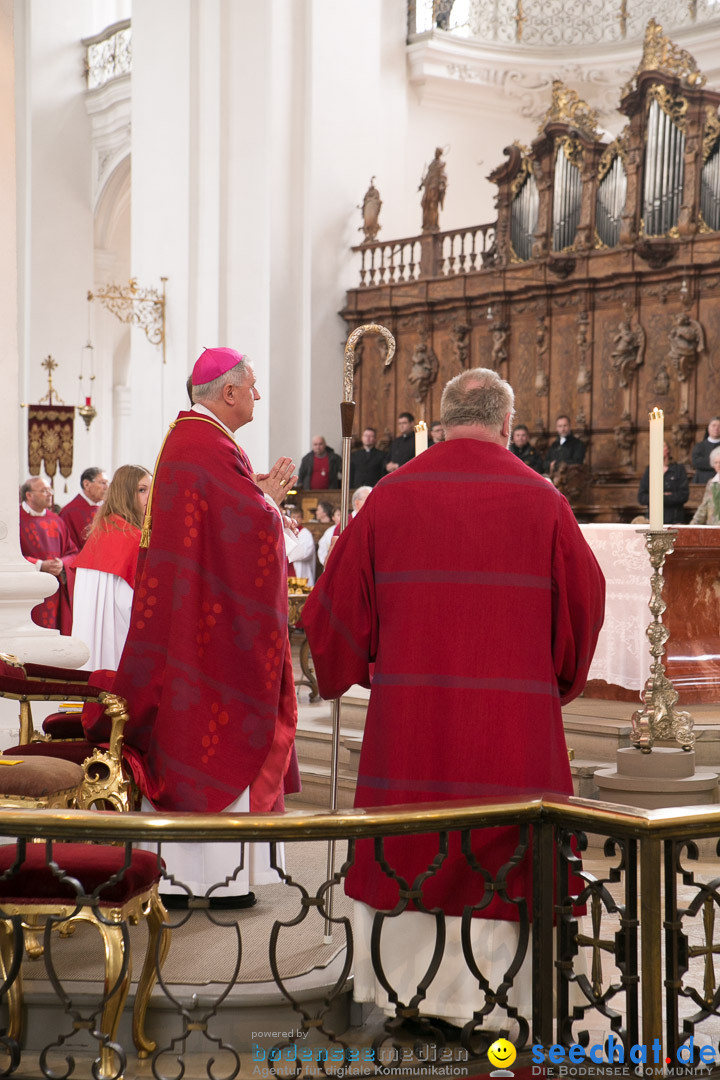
x,y
105,782
59,885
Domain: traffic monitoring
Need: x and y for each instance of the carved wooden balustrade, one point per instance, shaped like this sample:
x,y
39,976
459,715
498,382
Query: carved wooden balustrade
x,y
442,254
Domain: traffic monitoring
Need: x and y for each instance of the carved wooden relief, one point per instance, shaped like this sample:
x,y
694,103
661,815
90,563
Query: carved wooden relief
x,y
600,333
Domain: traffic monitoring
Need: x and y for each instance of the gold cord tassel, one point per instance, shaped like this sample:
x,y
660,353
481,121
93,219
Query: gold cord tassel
x,y
146,530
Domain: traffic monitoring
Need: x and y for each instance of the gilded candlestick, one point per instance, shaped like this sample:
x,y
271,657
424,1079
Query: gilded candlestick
x,y
658,718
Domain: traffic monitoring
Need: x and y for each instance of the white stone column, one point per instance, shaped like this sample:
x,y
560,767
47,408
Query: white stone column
x,y
21,585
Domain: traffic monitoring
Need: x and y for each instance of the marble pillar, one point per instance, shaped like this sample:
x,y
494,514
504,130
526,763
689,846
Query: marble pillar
x,y
21,585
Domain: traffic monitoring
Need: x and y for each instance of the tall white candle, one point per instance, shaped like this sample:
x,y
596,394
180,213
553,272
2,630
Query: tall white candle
x,y
421,437
656,468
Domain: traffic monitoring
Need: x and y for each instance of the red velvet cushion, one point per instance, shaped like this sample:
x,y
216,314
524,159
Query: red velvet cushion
x,y
9,671
90,864
44,671
63,726
70,751
96,724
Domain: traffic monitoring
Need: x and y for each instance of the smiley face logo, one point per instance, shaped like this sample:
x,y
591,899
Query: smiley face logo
x,y
501,1054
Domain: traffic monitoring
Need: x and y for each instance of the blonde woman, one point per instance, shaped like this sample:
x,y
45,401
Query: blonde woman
x,y
105,568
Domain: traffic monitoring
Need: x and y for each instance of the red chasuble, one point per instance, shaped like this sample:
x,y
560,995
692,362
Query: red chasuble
x,y
112,548
78,515
206,668
470,537
43,538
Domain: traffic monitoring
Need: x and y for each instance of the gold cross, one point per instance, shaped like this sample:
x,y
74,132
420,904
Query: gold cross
x,y
49,364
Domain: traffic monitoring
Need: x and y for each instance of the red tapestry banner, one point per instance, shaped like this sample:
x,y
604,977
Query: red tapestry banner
x,y
50,438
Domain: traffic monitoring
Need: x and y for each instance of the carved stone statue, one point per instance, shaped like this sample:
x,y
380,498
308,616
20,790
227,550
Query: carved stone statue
x,y
661,382
371,212
625,438
584,348
686,343
499,347
683,433
424,370
441,10
628,354
541,354
433,186
460,334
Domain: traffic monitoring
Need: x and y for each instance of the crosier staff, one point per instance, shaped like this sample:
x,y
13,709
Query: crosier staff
x,y
347,417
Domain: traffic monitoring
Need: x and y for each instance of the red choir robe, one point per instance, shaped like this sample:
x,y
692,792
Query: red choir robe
x,y
47,537
113,548
469,535
78,515
206,668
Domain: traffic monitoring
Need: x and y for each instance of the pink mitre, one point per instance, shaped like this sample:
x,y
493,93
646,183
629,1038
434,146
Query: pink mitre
x,y
213,363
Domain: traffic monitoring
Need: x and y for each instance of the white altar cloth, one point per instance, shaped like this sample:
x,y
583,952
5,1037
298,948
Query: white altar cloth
x,y
623,653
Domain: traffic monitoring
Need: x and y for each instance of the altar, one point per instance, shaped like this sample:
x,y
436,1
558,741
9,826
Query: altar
x,y
621,664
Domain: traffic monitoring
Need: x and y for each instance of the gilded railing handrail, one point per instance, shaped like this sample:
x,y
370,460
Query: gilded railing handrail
x,y
293,824
685,822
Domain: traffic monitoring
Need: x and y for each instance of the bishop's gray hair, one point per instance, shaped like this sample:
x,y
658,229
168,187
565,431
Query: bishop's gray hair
x,y
478,396
714,456
212,391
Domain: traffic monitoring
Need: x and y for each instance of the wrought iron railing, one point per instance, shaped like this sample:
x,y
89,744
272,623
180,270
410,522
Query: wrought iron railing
x,y
631,950
441,254
108,55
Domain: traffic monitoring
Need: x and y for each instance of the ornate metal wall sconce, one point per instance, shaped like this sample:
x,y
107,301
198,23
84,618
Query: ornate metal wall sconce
x,y
139,307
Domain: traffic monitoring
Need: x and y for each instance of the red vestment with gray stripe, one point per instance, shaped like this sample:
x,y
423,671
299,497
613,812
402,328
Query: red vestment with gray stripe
x,y
466,580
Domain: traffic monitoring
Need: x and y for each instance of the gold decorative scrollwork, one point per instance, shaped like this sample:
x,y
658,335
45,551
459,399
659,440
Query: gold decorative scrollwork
x,y
675,107
571,148
712,131
662,54
104,783
617,148
139,307
524,172
568,108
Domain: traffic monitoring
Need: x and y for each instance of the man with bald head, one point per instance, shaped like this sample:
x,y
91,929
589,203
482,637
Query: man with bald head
x,y
320,469
46,542
468,532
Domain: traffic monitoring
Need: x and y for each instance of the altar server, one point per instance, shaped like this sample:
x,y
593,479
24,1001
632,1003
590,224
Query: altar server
x,y
105,569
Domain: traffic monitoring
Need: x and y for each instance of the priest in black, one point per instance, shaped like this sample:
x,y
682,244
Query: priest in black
x,y
565,448
367,465
402,449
